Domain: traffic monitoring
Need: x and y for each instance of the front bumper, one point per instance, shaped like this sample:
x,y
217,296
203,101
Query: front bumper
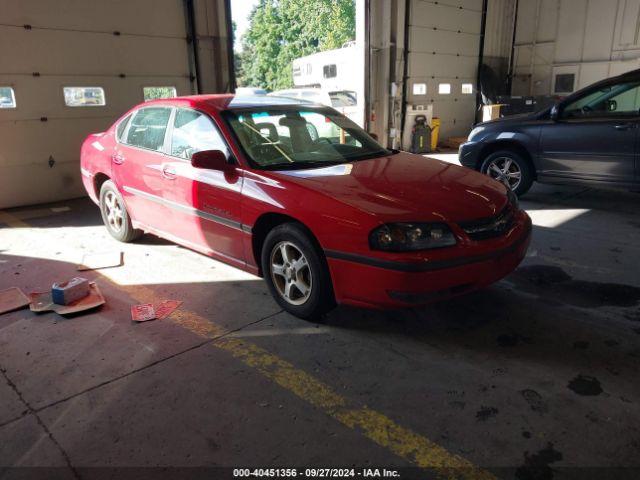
x,y
469,155
375,283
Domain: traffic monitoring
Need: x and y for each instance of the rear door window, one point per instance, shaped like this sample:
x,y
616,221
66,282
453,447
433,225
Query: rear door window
x,y
148,128
193,132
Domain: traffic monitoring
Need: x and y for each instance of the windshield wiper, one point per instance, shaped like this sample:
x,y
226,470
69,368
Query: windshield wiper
x,y
300,165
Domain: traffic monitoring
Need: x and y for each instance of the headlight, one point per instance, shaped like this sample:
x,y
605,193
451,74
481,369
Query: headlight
x,y
404,237
474,132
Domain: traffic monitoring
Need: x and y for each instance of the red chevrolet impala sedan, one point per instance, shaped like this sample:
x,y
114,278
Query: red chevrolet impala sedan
x,y
299,194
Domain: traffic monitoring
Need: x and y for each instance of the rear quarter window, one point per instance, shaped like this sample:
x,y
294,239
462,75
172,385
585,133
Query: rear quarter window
x,y
122,127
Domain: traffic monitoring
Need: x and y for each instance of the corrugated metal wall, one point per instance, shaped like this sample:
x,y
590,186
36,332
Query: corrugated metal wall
x,y
590,39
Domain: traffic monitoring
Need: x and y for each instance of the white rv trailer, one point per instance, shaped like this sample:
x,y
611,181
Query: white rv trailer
x,y
335,71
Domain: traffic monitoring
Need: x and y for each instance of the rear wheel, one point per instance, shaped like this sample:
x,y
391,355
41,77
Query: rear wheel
x,y
296,273
510,168
115,215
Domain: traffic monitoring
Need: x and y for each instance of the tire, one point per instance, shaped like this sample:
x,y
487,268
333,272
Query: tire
x,y
282,251
515,164
118,224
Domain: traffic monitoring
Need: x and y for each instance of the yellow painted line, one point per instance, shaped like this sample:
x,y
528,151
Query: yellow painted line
x,y
11,220
373,425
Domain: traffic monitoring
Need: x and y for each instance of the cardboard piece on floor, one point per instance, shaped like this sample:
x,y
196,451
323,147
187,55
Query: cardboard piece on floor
x,y
97,261
166,308
143,313
12,299
42,302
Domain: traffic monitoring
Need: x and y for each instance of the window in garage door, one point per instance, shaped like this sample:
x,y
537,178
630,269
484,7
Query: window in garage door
x,y
148,128
153,93
7,97
84,97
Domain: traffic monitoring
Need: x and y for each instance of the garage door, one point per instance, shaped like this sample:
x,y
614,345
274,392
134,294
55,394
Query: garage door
x,y
444,41
109,51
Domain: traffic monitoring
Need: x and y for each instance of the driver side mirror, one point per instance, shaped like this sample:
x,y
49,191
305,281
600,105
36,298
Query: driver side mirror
x,y
210,160
555,113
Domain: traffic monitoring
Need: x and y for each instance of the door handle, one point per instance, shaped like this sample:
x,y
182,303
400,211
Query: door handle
x,y
625,126
117,158
168,172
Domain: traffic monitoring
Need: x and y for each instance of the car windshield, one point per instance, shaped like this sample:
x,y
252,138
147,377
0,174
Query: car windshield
x,y
298,136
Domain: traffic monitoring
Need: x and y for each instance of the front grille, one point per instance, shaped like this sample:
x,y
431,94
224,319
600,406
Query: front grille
x,y
490,227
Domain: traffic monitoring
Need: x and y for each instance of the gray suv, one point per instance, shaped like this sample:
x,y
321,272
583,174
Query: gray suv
x,y
590,137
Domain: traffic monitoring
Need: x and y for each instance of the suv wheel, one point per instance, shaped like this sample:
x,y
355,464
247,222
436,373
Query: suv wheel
x,y
508,167
115,215
296,273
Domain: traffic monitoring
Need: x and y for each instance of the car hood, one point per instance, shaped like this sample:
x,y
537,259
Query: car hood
x,y
406,187
512,119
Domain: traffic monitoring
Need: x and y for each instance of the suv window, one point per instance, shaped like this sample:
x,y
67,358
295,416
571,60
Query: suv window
x,y
621,100
148,127
193,132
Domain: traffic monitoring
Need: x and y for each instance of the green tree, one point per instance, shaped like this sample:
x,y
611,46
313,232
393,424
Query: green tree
x,y
283,30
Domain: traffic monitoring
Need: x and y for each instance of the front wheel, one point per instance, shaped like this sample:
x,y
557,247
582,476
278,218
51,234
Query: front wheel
x,y
296,273
510,168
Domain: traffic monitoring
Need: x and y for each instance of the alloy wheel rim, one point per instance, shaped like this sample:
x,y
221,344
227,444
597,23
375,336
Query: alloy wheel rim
x,y
291,273
505,170
114,212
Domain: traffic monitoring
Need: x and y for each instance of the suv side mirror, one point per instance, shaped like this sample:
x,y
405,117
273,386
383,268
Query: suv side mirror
x,y
210,160
555,113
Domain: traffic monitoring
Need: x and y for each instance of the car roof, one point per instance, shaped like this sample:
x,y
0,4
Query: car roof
x,y
229,101
632,74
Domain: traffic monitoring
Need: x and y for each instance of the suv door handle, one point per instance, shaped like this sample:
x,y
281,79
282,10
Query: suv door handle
x,y
117,158
168,172
625,126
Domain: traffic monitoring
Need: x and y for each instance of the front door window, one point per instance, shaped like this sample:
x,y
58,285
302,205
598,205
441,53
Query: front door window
x,y
614,101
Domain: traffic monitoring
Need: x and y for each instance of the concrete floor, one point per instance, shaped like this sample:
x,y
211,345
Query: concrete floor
x,y
534,377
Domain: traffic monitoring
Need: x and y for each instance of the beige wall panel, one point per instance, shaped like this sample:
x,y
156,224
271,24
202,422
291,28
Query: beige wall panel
x,y
25,161
150,17
447,17
73,53
600,23
571,31
591,73
525,28
426,40
548,22
627,34
442,66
